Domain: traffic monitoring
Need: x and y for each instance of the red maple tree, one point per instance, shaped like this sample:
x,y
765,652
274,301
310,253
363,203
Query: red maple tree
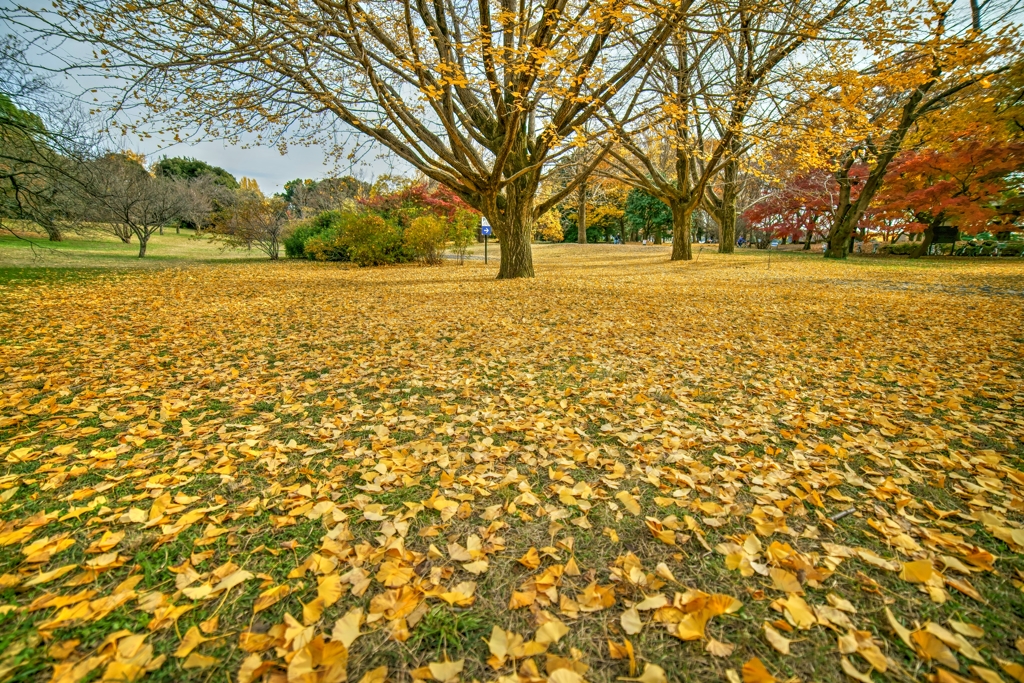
x,y
970,185
802,207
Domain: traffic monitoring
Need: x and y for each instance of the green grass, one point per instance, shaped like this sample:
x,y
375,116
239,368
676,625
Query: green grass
x,y
94,248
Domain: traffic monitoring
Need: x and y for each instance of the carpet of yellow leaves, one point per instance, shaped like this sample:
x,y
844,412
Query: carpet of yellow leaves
x,y
623,469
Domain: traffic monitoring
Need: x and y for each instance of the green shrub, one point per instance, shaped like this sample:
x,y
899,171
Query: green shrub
x,y
363,238
462,232
372,241
1012,248
328,245
426,237
295,244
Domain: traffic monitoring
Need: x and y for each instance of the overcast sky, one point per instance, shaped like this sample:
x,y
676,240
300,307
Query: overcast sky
x,y
265,164
269,167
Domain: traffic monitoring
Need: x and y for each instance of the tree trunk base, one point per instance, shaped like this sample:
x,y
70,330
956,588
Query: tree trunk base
x,y
516,252
926,242
681,220
727,240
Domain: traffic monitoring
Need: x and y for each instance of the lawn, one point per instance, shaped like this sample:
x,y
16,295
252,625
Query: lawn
x,y
722,470
97,249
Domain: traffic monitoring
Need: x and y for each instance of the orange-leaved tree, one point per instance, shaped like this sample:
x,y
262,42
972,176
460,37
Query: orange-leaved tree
x,y
970,185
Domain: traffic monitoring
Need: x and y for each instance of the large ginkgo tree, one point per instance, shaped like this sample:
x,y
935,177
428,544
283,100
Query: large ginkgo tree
x,y
479,95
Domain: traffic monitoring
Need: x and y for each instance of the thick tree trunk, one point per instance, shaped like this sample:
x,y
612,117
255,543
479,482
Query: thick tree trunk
x,y
514,227
581,215
727,213
926,241
807,240
143,241
53,232
657,237
841,235
516,255
851,211
681,220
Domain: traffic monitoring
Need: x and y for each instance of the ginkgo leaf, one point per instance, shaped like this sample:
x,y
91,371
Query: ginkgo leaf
x,y
270,597
312,611
105,542
786,581
986,675
664,572
900,630
550,632
652,674
776,639
478,567
652,602
531,559
198,661
841,603
631,622
191,641
498,644
929,646
378,675
723,604
917,572
798,612
446,670
234,579
628,502
1012,669
210,625
329,589
719,649
755,672
691,627
565,675
346,629
250,668
46,577
853,672
616,651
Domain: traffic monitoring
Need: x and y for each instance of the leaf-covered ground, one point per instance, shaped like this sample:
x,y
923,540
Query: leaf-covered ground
x,y
625,467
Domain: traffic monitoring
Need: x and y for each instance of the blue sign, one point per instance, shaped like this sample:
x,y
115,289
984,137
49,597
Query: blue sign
x,y
485,229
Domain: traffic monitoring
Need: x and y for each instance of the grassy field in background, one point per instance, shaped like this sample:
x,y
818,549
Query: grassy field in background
x,y
96,249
